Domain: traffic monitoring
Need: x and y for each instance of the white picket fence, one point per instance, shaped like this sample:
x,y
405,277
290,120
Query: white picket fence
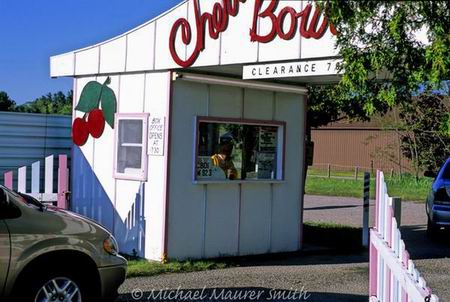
x,y
393,276
48,195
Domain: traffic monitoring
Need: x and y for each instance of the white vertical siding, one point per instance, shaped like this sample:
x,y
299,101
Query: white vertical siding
x,y
88,148
185,203
62,65
225,101
212,220
288,196
211,54
113,56
255,219
289,50
163,59
236,46
132,89
132,210
104,150
141,48
87,61
157,97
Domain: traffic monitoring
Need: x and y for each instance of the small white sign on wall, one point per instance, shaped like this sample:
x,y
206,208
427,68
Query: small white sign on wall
x,y
156,134
292,69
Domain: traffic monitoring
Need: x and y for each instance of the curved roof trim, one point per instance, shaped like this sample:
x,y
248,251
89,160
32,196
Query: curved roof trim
x,y
146,47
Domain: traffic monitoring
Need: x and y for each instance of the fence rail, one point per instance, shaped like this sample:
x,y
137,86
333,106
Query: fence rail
x,y
393,275
328,170
45,192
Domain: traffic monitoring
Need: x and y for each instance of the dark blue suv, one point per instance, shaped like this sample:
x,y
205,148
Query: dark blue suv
x,y
438,201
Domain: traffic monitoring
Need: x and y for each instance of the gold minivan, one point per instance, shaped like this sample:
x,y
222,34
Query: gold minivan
x,y
50,254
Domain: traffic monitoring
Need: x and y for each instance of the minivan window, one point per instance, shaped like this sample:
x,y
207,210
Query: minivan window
x,y
16,196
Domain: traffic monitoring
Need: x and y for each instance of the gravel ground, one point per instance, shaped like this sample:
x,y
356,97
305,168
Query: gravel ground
x,y
322,278
316,278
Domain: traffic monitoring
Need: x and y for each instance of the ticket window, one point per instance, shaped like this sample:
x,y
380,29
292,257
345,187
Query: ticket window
x,y
239,150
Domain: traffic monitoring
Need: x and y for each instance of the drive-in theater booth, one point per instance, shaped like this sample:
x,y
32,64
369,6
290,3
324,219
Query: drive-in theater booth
x,y
189,131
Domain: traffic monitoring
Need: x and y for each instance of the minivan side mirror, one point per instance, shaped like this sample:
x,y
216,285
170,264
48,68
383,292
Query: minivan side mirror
x,y
429,174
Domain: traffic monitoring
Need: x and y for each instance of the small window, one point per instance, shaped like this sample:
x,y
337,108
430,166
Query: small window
x,y
229,150
131,147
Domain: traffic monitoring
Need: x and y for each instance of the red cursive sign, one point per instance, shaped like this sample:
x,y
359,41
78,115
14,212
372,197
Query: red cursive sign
x,y
308,29
217,22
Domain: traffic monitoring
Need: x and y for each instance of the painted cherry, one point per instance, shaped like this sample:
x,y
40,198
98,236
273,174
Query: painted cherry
x,y
96,123
80,132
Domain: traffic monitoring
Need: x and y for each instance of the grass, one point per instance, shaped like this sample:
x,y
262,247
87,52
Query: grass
x,y
144,268
405,187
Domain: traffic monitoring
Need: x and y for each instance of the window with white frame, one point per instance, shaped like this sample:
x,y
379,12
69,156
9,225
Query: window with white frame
x,y
131,147
242,150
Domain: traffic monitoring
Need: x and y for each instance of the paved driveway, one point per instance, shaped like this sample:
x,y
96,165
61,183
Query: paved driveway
x,y
318,277
432,257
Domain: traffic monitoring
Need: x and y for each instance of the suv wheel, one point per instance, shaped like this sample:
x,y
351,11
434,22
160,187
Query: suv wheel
x,y
432,229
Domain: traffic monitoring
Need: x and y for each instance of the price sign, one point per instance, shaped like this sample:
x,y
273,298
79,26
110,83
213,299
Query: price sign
x,y
204,167
207,171
156,132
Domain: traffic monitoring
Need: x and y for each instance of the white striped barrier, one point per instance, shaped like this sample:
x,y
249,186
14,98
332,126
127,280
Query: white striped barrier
x,y
48,195
392,274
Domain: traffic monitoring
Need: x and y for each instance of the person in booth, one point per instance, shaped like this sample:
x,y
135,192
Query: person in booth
x,y
223,158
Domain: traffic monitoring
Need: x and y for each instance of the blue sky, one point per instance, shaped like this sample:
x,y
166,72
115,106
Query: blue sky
x,y
33,30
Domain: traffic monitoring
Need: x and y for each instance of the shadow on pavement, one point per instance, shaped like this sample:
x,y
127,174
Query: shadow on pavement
x,y
331,207
239,294
420,246
327,244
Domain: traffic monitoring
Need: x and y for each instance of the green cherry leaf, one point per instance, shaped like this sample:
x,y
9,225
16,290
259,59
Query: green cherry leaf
x,y
109,105
90,97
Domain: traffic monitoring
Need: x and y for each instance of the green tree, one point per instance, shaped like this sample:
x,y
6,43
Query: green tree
x,y
6,104
57,103
424,132
390,51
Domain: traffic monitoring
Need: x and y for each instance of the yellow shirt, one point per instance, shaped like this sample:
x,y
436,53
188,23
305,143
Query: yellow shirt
x,y
226,164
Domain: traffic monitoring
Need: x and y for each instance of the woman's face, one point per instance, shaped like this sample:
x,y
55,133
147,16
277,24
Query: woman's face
x,y
226,149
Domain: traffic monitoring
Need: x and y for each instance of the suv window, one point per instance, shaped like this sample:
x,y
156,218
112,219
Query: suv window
x,y
446,173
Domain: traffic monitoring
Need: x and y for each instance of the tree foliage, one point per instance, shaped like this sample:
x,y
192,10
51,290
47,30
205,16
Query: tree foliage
x,y
6,104
424,138
56,103
391,51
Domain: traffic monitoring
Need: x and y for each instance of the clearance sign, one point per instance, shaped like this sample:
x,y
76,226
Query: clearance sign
x,y
308,22
292,69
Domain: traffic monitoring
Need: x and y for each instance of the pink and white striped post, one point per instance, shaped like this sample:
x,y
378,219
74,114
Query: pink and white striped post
x,y
393,276
373,254
8,179
48,195
62,182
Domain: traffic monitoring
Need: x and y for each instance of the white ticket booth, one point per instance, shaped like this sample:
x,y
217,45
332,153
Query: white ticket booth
x,y
189,130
